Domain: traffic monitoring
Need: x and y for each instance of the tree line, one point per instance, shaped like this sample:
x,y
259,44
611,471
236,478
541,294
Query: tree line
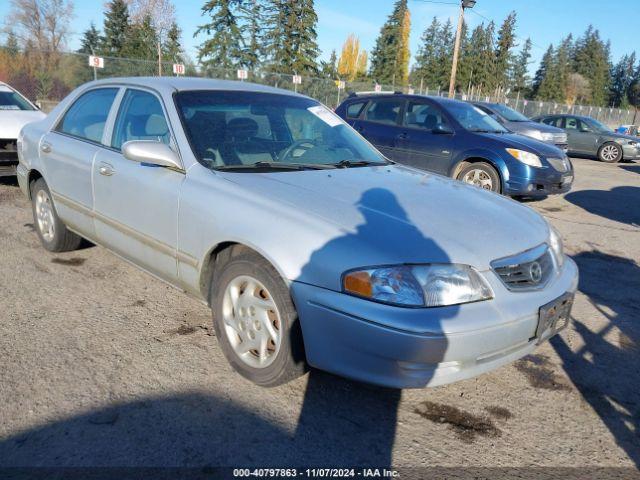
x,y
280,36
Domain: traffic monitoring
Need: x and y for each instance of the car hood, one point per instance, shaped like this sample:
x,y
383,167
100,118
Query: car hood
x,y
395,214
12,121
531,125
621,136
512,140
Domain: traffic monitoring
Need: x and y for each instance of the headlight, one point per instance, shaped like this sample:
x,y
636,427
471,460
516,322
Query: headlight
x,y
555,242
433,285
633,143
525,157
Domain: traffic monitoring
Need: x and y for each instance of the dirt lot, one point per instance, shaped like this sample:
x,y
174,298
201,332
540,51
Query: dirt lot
x,y
102,365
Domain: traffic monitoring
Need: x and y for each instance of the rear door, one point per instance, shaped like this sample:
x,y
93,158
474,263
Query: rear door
x,y
380,124
418,144
136,204
68,153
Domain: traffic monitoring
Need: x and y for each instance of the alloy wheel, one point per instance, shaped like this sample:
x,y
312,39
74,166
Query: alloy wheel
x,y
44,215
609,153
479,178
252,321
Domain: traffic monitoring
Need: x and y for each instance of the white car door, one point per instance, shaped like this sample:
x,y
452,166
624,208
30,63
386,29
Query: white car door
x,y
68,152
136,205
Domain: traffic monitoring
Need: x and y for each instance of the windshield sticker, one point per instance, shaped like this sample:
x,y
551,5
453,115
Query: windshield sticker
x,y
325,115
9,107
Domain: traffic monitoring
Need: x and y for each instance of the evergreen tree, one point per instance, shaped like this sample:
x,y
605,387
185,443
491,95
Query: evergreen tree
x,y
252,18
444,54
330,69
543,69
424,69
143,41
562,68
172,48
225,45
622,76
390,56
11,44
591,59
519,71
116,29
290,40
91,41
503,54
479,58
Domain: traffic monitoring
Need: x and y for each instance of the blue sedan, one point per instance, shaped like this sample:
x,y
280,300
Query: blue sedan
x,y
459,140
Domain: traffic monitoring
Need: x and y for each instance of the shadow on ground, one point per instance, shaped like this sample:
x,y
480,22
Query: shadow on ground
x,y
619,204
631,168
604,363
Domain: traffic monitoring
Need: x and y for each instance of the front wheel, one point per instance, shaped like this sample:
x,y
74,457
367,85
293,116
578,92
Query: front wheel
x,y
610,153
255,320
482,175
54,235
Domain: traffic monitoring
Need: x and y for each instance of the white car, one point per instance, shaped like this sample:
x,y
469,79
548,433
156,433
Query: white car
x,y
15,112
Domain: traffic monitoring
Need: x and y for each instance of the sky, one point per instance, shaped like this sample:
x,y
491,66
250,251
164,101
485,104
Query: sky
x,y
545,21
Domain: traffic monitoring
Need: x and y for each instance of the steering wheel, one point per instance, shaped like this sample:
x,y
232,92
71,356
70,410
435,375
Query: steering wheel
x,y
305,144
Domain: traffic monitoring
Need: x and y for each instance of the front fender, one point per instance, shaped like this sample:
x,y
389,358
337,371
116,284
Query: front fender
x,y
481,154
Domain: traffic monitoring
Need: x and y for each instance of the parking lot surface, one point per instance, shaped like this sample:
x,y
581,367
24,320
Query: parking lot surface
x,y
102,365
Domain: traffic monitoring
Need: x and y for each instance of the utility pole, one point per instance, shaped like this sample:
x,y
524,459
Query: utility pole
x,y
454,67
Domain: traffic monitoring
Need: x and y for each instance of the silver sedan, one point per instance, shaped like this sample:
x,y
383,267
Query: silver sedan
x,y
310,247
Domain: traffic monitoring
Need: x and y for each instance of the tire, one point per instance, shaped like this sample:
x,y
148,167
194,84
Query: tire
x,y
610,152
262,299
482,175
53,234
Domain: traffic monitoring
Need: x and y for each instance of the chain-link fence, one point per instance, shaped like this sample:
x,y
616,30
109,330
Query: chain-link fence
x,y
72,70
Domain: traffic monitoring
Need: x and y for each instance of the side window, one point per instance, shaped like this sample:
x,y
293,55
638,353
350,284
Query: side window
x,y
571,123
583,126
553,121
140,118
355,109
87,116
423,115
384,110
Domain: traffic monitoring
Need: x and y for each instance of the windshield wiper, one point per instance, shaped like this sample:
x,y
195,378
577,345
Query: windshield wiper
x,y
274,166
356,163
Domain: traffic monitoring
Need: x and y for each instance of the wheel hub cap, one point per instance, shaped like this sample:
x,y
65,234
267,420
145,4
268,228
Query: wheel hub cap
x,y
479,178
610,152
44,215
252,321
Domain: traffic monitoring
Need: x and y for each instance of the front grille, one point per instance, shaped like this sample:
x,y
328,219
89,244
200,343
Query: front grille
x,y
527,270
8,150
560,164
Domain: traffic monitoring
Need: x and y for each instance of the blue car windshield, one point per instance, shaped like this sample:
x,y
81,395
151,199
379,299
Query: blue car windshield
x,y
245,130
473,119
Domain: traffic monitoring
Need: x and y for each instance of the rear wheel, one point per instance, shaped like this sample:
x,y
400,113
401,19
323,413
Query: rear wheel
x,y
54,235
255,320
482,175
610,153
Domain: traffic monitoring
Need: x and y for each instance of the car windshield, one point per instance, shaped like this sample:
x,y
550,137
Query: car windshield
x,y
12,100
509,113
598,126
241,131
473,119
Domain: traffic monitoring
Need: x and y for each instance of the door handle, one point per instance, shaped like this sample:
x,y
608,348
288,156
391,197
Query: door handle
x,y
45,147
402,136
106,170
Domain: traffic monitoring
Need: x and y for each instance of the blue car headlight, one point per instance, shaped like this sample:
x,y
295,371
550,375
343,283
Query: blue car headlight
x,y
431,285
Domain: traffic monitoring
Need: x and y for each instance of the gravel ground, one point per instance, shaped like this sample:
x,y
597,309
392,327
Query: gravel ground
x,y
102,365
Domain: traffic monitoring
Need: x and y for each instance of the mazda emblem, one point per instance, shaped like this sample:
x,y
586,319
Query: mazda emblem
x,y
535,272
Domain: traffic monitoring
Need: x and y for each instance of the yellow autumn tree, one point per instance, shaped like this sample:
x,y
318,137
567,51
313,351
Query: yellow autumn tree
x,y
403,55
353,61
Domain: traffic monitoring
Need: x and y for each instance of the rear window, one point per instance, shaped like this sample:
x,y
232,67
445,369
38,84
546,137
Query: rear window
x,y
355,109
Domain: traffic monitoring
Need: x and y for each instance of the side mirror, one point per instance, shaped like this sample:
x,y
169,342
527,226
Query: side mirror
x,y
442,129
151,152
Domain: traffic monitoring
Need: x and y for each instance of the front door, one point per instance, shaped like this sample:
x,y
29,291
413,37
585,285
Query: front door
x,y
136,205
579,136
423,143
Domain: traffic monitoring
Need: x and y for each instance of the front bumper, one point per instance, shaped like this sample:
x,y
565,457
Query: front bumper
x,y
417,347
538,182
630,152
8,157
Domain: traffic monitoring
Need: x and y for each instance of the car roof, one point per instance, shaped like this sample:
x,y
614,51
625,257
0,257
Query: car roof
x,y
369,96
172,84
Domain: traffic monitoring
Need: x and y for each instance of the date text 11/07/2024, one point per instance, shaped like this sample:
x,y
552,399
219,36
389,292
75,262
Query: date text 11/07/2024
x,y
316,472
